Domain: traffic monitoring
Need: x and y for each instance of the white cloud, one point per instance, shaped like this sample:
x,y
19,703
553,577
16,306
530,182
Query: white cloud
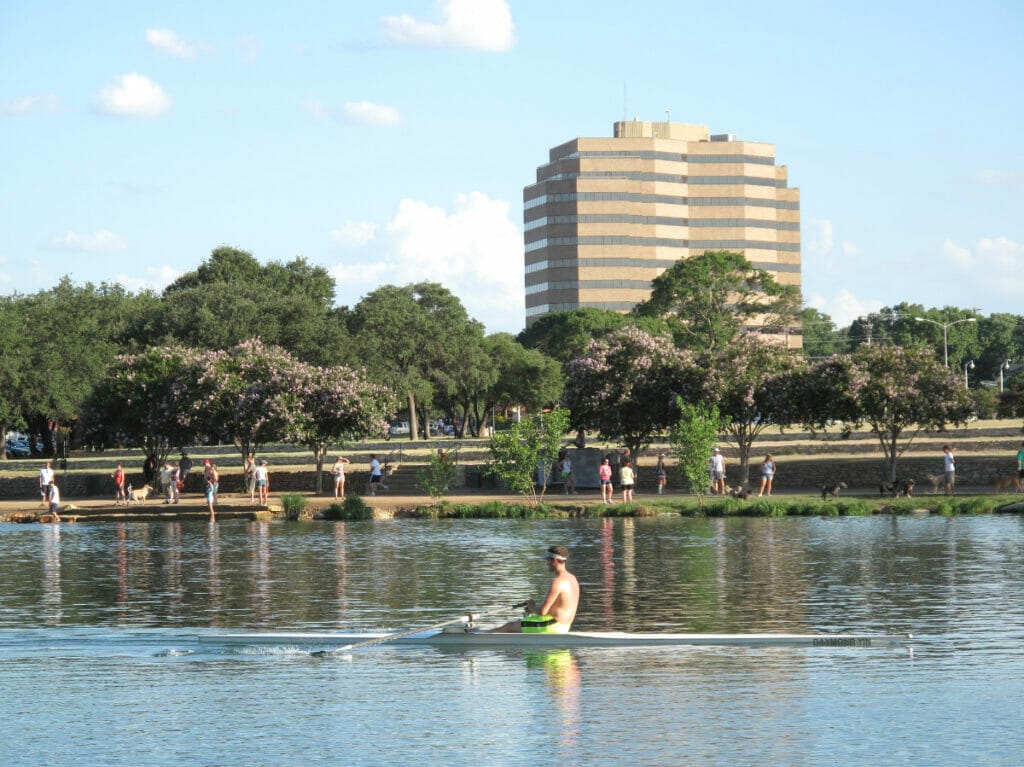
x,y
843,306
134,95
158,278
354,234
479,25
995,177
101,241
475,250
994,264
31,105
368,113
167,41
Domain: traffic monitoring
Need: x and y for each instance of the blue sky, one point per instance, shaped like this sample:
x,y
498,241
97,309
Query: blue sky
x,y
390,141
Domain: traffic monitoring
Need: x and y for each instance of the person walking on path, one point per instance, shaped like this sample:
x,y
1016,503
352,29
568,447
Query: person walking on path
x,y
604,474
175,483
717,466
338,472
660,473
568,480
376,475
767,475
948,470
120,494
626,478
1020,465
250,477
262,478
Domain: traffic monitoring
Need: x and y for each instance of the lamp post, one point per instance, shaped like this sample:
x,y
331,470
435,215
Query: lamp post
x,y
967,366
945,333
1004,366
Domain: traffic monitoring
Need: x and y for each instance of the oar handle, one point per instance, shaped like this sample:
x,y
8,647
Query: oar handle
x,y
467,617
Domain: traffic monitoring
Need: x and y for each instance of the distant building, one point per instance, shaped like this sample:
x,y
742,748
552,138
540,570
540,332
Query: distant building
x,y
608,215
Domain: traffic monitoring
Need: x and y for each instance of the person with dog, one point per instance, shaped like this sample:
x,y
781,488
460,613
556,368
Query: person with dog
x,y
767,475
948,470
120,494
1020,465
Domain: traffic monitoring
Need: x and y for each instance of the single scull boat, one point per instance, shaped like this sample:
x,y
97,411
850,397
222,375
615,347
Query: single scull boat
x,y
463,638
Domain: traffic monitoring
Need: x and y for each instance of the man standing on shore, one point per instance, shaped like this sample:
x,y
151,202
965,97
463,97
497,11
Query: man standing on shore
x,y
948,470
556,614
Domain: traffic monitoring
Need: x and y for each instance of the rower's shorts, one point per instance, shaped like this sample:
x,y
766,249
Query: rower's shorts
x,y
542,624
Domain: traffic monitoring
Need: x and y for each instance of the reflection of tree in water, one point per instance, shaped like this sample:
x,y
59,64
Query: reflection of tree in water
x,y
563,677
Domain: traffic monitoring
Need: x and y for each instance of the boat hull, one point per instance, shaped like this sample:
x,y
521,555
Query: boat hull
x,y
471,639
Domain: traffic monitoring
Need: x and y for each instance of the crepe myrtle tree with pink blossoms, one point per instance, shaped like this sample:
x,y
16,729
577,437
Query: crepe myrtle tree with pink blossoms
x,y
146,398
750,382
625,386
898,392
336,404
247,394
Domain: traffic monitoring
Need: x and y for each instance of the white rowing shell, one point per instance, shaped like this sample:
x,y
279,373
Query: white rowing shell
x,y
468,639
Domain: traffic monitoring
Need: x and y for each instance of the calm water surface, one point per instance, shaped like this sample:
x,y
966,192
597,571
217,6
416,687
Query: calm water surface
x,y
99,663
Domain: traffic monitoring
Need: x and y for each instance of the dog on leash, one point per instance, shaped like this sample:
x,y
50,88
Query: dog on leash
x,y
1005,482
936,481
831,490
140,495
901,488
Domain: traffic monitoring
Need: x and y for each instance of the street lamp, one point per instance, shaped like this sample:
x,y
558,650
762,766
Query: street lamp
x,y
1004,366
967,366
945,332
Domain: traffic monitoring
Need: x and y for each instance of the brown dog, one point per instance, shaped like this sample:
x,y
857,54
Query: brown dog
x,y
831,489
901,488
936,481
1005,482
140,495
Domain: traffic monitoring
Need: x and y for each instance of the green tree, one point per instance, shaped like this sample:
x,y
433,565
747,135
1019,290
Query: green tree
x,y
529,445
708,300
13,363
820,336
525,377
437,476
749,381
231,297
626,386
692,438
565,335
417,339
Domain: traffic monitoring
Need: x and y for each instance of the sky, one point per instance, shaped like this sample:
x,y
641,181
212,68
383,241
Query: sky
x,y
389,142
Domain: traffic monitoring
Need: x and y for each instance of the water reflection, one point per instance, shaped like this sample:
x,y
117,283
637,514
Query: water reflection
x,y
53,593
562,673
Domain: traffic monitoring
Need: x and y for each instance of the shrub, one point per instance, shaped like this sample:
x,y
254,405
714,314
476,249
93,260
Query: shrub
x,y
352,509
294,505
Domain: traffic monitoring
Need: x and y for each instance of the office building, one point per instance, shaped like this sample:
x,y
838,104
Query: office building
x,y
608,215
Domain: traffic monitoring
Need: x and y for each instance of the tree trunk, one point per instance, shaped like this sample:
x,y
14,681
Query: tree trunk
x,y
413,416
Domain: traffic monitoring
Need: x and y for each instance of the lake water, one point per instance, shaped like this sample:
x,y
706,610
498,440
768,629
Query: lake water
x,y
99,664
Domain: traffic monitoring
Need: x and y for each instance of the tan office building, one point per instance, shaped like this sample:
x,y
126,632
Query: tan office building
x,y
608,215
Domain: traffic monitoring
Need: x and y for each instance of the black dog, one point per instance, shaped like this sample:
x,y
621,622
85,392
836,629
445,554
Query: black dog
x,y
900,488
740,492
831,489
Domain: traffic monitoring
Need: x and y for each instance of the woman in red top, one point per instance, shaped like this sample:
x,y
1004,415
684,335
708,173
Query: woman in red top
x,y
121,497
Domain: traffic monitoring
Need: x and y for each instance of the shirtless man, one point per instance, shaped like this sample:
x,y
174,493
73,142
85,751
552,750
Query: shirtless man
x,y
558,611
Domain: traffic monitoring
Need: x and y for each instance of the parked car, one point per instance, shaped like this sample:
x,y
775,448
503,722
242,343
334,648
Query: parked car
x,y
399,429
17,446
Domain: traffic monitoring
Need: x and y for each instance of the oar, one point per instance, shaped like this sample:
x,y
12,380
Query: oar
x,y
464,618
